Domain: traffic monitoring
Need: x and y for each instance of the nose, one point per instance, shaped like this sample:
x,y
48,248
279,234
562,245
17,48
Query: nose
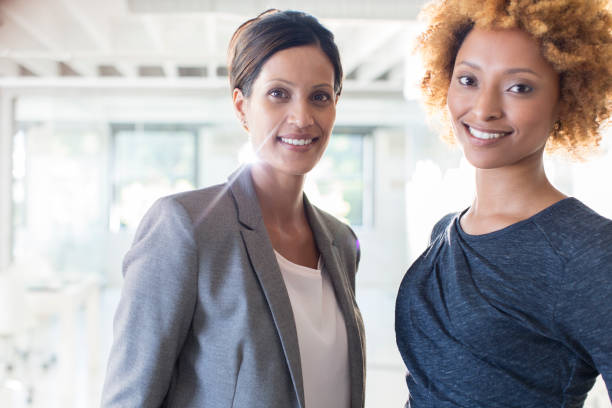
x,y
488,104
300,114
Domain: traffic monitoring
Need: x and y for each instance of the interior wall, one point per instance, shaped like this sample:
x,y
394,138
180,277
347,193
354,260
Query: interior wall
x,y
6,121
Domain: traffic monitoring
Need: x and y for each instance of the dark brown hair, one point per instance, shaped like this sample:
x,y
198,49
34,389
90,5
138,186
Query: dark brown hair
x,y
258,39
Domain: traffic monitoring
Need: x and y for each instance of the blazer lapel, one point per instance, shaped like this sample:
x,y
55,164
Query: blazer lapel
x,y
343,289
261,255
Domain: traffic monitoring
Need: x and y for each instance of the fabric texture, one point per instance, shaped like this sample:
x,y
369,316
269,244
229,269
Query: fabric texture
x,y
204,318
321,334
520,317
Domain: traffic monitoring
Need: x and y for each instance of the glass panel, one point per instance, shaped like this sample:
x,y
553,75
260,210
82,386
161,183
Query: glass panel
x,y
59,199
149,163
336,184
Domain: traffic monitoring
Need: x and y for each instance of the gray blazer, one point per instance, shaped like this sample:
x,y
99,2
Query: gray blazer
x,y
205,319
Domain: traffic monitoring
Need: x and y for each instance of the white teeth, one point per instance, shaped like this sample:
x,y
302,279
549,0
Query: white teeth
x,y
484,135
296,142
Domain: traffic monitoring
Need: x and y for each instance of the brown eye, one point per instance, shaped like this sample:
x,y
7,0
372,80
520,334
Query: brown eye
x,y
278,93
321,97
466,80
520,89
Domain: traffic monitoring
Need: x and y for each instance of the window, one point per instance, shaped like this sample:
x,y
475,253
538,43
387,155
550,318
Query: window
x,y
341,182
148,162
59,199
80,189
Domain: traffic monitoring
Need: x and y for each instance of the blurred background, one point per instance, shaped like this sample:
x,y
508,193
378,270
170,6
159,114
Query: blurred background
x,y
107,105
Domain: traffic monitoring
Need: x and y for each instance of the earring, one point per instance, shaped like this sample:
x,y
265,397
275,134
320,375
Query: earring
x,y
244,124
557,126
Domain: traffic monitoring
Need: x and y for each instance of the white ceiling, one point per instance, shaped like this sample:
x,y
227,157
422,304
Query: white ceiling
x,y
184,41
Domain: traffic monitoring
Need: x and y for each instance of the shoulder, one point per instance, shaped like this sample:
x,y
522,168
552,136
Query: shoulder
x,y
442,226
210,203
207,212
573,228
582,311
194,200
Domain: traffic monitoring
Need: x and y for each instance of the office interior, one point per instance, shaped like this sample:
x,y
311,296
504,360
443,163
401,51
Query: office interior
x,y
107,106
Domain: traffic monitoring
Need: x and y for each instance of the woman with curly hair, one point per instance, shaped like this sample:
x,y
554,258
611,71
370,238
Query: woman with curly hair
x,y
509,306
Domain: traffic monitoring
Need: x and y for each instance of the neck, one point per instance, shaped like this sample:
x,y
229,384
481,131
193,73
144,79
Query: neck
x,y
520,190
280,195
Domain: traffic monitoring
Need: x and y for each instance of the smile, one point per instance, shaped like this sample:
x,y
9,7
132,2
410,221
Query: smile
x,y
296,142
478,134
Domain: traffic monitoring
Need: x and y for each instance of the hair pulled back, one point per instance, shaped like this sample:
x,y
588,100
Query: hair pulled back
x,y
257,39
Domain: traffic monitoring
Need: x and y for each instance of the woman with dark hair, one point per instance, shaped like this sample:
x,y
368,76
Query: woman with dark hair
x,y
242,294
510,305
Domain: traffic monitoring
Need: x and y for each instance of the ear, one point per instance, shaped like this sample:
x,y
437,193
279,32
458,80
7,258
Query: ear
x,y
239,102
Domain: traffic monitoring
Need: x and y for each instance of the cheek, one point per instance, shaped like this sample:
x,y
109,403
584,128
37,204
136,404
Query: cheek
x,y
326,119
456,103
266,116
536,119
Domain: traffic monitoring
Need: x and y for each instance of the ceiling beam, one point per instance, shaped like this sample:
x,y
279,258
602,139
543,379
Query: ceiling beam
x,y
170,69
87,24
389,55
212,44
10,12
41,68
8,68
359,52
85,69
127,69
154,31
369,72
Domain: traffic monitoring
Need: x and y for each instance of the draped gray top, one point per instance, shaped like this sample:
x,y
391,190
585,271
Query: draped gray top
x,y
520,317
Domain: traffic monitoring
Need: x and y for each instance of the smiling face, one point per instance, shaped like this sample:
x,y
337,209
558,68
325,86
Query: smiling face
x,y
291,110
502,98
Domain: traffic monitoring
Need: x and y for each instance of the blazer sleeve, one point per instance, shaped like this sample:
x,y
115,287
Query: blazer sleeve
x,y
357,245
155,310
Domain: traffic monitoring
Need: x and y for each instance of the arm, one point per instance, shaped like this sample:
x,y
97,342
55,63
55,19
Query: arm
x,y
355,255
155,310
584,310
357,246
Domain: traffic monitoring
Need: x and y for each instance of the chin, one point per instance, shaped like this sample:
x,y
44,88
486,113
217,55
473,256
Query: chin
x,y
486,161
290,169
297,167
298,170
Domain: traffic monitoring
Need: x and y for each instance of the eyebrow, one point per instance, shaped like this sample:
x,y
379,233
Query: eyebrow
x,y
508,71
322,85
